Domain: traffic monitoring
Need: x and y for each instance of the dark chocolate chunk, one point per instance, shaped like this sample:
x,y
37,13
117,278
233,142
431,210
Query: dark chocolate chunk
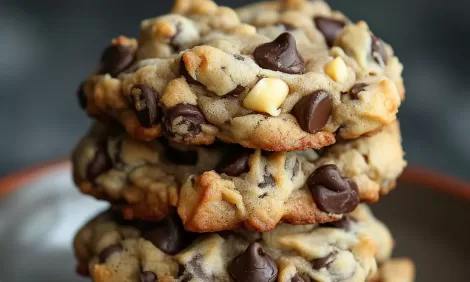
x,y
330,28
168,235
239,57
190,116
355,90
82,100
332,192
322,262
193,269
378,50
268,180
235,162
100,163
145,102
253,265
236,91
184,72
344,223
109,251
313,111
116,59
148,276
174,155
280,55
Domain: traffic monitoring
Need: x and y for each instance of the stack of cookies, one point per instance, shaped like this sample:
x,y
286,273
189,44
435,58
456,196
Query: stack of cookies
x,y
241,145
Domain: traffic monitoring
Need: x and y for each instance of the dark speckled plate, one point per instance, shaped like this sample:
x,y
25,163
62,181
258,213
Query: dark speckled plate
x,y
40,209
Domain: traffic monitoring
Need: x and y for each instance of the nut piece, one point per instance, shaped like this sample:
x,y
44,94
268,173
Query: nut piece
x,y
267,95
337,70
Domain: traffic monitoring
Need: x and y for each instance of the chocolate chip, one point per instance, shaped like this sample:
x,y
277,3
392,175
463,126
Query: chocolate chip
x,y
239,57
188,116
235,162
109,251
184,72
236,91
296,169
330,28
174,155
313,111
322,262
82,101
100,163
332,192
193,269
268,180
344,223
253,265
144,100
378,50
355,90
168,235
116,58
280,55
148,276
297,278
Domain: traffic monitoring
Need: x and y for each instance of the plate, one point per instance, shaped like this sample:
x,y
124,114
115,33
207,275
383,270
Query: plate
x,y
429,216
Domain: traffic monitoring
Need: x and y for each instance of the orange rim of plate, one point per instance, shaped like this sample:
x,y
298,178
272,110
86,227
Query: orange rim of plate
x,y
413,174
19,179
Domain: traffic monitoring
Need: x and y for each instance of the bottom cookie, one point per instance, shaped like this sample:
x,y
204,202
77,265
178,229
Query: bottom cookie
x,y
111,249
395,270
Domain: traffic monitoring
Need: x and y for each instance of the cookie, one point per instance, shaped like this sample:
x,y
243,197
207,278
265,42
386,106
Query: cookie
x,y
111,249
223,186
395,270
298,80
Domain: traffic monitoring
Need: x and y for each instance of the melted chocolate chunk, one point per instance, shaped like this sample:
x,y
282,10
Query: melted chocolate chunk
x,y
116,59
193,269
184,72
280,55
145,105
313,111
254,265
344,223
322,262
148,276
100,163
109,251
355,90
168,235
190,116
332,192
236,161
379,52
330,28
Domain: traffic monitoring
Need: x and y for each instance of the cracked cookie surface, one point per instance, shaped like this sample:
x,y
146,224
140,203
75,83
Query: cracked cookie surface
x,y
223,186
280,76
111,249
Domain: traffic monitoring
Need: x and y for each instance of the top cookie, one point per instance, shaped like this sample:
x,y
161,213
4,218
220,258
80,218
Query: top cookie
x,y
294,78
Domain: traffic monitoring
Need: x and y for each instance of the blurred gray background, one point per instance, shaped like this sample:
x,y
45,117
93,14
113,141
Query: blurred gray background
x,y
47,47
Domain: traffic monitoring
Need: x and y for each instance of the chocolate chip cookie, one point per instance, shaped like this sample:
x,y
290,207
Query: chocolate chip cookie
x,y
281,76
395,270
111,249
226,186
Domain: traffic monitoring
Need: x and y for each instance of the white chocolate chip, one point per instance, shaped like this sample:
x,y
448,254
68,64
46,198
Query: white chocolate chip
x,y
337,70
267,95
